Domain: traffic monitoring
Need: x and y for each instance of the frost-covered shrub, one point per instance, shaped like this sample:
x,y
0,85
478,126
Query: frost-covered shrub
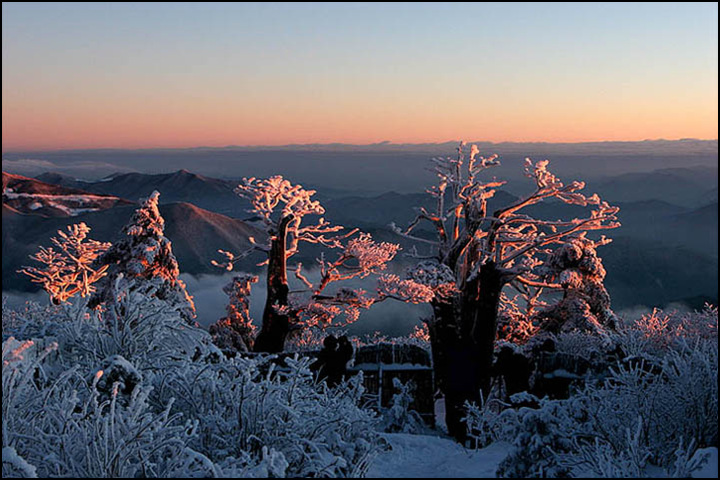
x,y
28,322
669,378
603,460
654,334
142,328
132,390
249,408
20,361
399,418
589,347
539,435
655,403
673,404
675,400
485,423
136,325
64,426
104,437
14,466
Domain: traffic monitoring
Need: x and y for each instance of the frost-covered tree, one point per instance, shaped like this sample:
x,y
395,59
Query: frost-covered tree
x,y
282,207
476,253
69,270
235,331
585,305
144,255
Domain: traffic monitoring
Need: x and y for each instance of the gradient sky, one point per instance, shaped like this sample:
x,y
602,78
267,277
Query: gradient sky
x,y
177,75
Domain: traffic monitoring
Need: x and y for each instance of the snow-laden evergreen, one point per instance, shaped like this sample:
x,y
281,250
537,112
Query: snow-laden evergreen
x,y
144,254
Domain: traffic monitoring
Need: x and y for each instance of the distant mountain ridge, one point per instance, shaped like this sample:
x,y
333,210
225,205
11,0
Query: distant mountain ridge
x,y
180,186
684,186
369,169
672,247
684,145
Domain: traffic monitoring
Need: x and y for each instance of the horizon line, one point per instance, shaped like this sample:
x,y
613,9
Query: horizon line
x,y
384,143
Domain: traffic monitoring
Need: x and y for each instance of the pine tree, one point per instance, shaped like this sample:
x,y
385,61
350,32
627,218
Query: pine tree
x,y
145,256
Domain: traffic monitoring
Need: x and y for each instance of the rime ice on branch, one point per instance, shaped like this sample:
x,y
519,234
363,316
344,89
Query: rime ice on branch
x,y
235,331
144,255
585,305
476,253
282,207
69,269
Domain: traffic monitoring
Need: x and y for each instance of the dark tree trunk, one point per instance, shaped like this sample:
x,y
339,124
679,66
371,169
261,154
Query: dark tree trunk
x,y
275,325
484,331
463,342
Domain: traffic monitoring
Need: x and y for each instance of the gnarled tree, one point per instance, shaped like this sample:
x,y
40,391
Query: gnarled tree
x,y
282,207
476,253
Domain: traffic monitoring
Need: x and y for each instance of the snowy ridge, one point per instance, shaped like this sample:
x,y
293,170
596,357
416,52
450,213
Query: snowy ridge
x,y
31,196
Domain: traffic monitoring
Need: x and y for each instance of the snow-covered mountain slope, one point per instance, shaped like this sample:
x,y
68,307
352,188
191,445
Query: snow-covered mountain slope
x,y
31,196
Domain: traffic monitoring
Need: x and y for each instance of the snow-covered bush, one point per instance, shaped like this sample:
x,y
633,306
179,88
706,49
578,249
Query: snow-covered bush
x,y
491,421
20,360
249,407
656,404
14,466
540,434
65,426
132,390
32,320
601,459
399,418
675,400
654,334
142,328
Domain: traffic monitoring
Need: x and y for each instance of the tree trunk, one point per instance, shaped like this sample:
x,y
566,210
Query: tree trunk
x,y
275,325
463,343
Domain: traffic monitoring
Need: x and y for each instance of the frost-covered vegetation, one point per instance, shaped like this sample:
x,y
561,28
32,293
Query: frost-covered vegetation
x,y
145,394
654,402
115,379
117,382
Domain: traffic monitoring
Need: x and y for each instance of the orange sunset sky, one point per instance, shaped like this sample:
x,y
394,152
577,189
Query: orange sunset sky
x,y
163,75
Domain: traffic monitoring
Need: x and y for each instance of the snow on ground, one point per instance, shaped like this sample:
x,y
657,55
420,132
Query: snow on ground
x,y
435,457
710,468
417,456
